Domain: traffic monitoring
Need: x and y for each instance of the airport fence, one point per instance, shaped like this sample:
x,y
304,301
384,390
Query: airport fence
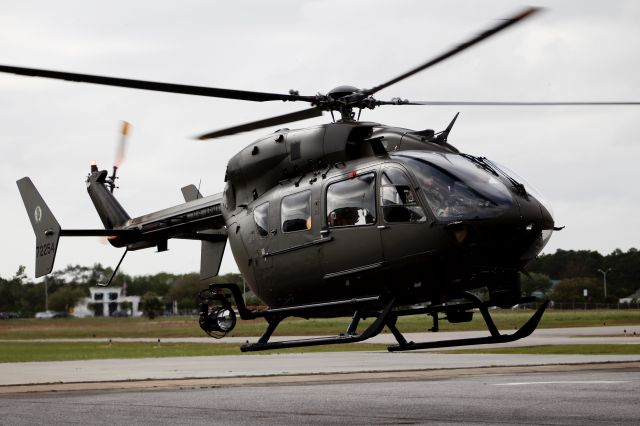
x,y
577,305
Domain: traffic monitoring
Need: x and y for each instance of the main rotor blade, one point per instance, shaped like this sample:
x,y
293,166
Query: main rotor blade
x,y
486,34
156,86
268,122
506,103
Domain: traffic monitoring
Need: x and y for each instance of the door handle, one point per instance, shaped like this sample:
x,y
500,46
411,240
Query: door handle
x,y
383,227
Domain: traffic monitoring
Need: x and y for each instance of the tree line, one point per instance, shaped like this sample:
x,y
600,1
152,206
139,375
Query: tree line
x,y
62,289
564,275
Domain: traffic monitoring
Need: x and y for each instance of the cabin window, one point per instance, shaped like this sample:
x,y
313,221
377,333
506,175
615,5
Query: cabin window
x,y
261,218
399,202
229,197
295,212
352,202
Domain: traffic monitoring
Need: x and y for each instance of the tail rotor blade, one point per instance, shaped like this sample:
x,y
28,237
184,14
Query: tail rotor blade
x,y
124,133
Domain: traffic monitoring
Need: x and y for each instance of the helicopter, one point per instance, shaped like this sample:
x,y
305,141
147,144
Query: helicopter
x,y
349,218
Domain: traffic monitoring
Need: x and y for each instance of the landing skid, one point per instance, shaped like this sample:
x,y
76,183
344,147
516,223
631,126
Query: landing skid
x,y
495,337
350,337
386,316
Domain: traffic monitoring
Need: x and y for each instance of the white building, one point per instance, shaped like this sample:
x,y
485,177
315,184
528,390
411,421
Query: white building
x,y
105,301
634,298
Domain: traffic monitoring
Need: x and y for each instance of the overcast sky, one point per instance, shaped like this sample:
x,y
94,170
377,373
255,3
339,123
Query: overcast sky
x,y
585,160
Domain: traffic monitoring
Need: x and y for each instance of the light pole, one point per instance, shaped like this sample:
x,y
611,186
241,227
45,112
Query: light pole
x,y
604,278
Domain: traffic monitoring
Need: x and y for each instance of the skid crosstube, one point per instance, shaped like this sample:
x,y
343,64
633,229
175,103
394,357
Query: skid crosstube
x,y
385,317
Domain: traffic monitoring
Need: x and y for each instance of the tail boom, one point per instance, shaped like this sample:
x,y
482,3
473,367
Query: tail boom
x,y
198,219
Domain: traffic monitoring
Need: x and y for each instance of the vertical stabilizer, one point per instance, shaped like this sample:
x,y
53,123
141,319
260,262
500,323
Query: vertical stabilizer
x,y
190,193
45,226
211,254
212,249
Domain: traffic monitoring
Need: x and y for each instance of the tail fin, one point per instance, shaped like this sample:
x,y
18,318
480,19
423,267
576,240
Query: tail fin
x,y
190,193
109,209
45,226
212,249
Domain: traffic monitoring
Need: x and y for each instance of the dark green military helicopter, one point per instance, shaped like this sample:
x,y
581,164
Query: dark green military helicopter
x,y
347,218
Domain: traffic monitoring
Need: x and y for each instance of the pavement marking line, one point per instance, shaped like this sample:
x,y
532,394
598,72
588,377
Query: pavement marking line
x,y
566,382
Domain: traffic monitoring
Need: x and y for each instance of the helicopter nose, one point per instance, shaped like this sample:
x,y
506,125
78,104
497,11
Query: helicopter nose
x,y
538,225
510,240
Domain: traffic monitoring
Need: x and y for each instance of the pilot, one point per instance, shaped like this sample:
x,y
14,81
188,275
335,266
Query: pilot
x,y
436,192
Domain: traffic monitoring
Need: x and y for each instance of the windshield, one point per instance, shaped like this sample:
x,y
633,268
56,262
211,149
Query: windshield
x,y
455,188
529,188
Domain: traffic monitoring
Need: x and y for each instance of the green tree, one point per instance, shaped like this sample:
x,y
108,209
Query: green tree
x,y
622,280
568,264
185,291
10,292
572,290
186,288
151,305
535,282
158,283
31,299
66,297
20,277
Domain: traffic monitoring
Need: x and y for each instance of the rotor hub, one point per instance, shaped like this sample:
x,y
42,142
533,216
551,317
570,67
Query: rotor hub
x,y
342,91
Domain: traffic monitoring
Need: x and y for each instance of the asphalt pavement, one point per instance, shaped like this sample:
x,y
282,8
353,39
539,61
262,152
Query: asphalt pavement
x,y
273,364
585,396
367,387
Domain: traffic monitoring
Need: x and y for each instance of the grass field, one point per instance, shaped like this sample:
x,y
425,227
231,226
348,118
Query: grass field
x,y
166,327
188,326
31,351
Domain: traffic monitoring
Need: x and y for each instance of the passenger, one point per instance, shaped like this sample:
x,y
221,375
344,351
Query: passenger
x,y
343,216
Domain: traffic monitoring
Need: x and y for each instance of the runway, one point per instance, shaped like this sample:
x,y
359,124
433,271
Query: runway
x,y
590,395
271,364
371,387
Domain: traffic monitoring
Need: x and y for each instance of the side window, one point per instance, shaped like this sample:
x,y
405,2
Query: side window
x,y
261,217
352,202
295,212
399,202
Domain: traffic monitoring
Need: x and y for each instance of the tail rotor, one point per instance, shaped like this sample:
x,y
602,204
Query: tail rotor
x,y
124,133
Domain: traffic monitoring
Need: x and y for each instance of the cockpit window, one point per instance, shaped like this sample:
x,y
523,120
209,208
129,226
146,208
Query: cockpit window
x,y
399,202
455,188
352,202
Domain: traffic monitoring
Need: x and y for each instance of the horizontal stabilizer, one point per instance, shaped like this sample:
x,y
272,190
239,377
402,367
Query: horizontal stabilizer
x,y
99,232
